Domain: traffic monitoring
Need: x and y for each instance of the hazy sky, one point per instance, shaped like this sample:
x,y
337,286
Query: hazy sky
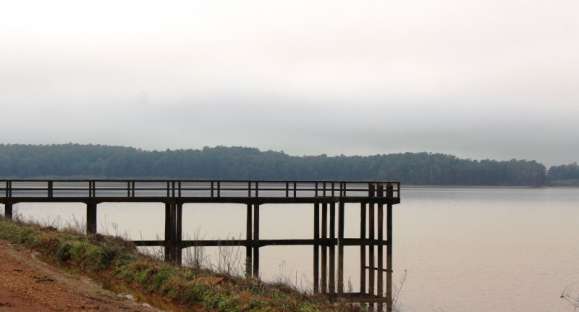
x,y
496,79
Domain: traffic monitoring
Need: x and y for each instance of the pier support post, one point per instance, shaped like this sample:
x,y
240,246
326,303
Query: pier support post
x,y
255,241
178,233
324,281
8,210
249,241
363,248
371,238
316,247
91,217
168,233
380,269
332,264
389,238
341,248
8,203
173,229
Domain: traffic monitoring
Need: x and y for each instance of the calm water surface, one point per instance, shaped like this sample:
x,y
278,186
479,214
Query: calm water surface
x,y
458,249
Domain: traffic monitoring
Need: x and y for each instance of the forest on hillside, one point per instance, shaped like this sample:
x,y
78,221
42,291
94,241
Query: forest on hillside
x,y
98,161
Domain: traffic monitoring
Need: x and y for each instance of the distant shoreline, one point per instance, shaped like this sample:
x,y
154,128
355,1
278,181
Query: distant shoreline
x,y
245,163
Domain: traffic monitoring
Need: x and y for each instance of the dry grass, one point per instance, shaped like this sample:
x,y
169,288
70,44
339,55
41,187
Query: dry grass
x,y
118,264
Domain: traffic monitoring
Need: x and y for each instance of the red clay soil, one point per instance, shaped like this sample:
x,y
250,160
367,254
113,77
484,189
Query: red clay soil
x,y
29,284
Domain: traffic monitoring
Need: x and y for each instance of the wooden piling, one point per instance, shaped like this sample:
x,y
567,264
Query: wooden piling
x,y
169,232
316,247
178,233
324,282
255,240
380,270
8,210
341,248
8,205
173,232
249,239
371,222
363,248
389,261
332,266
91,217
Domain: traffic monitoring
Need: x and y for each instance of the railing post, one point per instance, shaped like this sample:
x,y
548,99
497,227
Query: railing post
x,y
91,189
50,189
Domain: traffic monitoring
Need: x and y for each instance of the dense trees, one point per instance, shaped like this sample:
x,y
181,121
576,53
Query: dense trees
x,y
564,174
72,160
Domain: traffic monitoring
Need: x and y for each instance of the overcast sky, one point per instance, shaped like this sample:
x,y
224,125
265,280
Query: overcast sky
x,y
480,79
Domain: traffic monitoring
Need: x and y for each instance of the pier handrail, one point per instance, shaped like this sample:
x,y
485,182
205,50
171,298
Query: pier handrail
x,y
174,188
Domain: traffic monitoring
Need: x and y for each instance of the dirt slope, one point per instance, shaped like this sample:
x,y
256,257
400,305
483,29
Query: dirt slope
x,y
28,284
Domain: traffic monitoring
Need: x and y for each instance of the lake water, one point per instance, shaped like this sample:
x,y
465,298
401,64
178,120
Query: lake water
x,y
458,249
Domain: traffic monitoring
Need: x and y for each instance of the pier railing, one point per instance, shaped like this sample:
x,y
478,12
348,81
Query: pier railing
x,y
200,189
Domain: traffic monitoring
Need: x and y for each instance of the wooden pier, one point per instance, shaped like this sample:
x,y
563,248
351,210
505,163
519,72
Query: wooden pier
x,y
375,200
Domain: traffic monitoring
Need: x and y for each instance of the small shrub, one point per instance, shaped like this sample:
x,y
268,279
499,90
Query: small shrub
x,y
63,253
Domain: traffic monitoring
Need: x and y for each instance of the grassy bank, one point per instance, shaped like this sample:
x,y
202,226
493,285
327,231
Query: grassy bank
x,y
118,265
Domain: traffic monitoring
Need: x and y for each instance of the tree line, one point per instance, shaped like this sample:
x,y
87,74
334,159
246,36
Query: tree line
x,y
99,161
564,174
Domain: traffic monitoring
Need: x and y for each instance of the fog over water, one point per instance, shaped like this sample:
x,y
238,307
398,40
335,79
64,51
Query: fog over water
x,y
493,79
